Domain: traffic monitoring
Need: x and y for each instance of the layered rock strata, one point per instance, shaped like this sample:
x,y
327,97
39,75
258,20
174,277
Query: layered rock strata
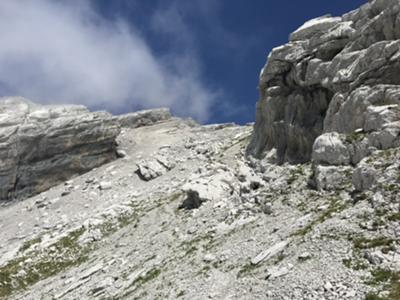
x,y
41,146
144,117
337,76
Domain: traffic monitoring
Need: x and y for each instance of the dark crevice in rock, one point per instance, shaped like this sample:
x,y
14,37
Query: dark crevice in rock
x,y
192,200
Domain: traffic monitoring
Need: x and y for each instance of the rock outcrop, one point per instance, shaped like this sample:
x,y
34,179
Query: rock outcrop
x,y
144,117
336,74
186,214
41,146
208,228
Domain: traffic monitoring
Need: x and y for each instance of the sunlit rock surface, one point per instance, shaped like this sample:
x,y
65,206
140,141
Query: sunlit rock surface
x,y
41,146
336,74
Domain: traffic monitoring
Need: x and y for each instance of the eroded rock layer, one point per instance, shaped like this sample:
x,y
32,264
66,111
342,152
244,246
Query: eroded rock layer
x,y
336,74
41,146
144,117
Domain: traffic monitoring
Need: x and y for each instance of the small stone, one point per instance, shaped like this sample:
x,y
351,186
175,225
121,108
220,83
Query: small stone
x,y
350,294
328,286
323,207
90,180
121,153
374,258
192,230
267,208
40,203
65,193
55,200
305,256
277,271
21,273
105,185
209,258
270,252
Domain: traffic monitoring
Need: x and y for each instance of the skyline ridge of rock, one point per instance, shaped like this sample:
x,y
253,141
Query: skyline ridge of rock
x,y
332,76
304,205
44,145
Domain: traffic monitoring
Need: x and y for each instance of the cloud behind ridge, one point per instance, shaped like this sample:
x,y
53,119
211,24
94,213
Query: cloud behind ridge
x,y
64,52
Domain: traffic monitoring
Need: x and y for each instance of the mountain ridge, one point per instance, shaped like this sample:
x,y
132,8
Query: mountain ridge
x,y
303,205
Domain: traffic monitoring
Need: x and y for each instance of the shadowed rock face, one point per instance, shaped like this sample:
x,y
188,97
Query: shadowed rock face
x,y
41,146
320,81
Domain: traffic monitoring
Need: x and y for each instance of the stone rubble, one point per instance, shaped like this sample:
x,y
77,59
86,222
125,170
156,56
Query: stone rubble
x,y
309,211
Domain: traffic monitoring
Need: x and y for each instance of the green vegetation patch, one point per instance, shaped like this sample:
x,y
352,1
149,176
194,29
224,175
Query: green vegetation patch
x,y
365,243
180,294
394,217
355,137
355,264
246,269
28,244
26,270
32,266
390,187
149,276
335,207
391,281
295,174
373,296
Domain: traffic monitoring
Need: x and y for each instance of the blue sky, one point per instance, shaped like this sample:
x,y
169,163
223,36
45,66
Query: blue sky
x,y
200,57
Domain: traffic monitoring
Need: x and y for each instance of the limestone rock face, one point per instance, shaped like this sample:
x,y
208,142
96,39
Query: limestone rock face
x,y
336,74
41,146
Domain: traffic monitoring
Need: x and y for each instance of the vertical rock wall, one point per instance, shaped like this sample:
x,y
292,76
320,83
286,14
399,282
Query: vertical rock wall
x,y
336,74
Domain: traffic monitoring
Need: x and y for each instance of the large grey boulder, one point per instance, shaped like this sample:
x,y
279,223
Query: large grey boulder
x,y
337,74
330,149
41,146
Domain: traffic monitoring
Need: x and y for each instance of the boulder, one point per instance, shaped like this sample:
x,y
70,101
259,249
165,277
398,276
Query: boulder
x,y
150,169
364,177
270,252
41,146
154,167
212,186
330,149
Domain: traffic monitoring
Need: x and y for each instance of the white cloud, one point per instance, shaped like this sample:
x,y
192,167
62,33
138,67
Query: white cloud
x,y
63,52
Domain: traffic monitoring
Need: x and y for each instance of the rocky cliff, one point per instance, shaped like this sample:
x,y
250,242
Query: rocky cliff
x,y
42,146
336,74
187,213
